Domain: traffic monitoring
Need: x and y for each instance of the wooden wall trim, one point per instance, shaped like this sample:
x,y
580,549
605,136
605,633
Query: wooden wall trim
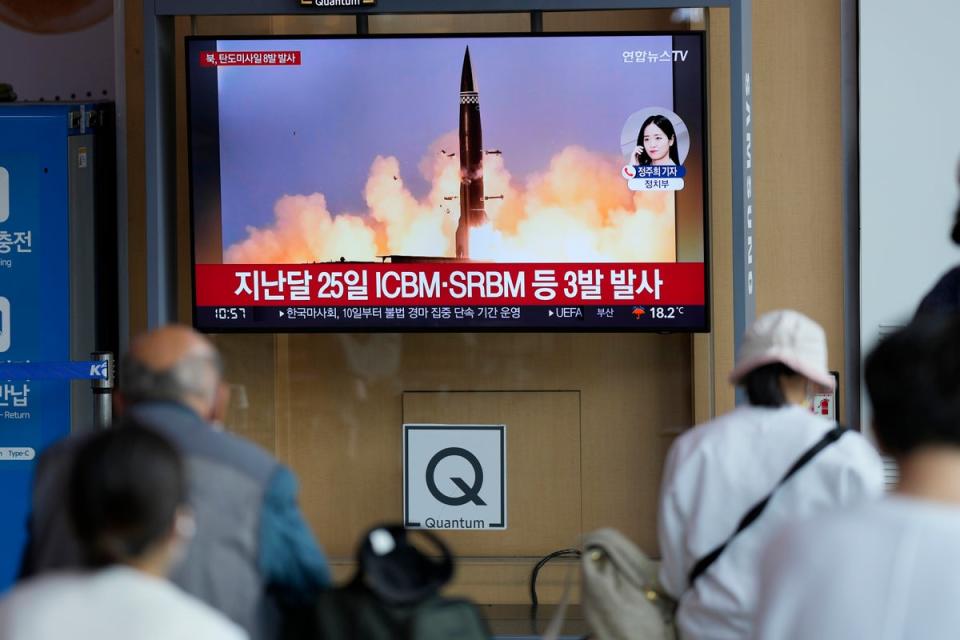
x,y
136,167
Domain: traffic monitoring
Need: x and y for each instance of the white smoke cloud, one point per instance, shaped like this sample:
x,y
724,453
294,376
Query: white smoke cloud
x,y
578,209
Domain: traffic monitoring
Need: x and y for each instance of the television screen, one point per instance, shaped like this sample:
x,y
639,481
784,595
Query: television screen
x,y
523,182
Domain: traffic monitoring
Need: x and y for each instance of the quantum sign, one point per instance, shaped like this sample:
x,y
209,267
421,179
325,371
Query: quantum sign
x,y
455,477
337,4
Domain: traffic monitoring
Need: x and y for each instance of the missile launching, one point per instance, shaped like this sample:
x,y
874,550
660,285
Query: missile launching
x,y
472,212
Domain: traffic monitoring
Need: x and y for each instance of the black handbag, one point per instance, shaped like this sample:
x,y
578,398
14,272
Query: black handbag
x,y
395,594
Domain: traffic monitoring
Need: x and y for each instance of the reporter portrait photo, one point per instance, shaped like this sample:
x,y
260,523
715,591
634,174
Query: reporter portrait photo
x,y
656,143
655,137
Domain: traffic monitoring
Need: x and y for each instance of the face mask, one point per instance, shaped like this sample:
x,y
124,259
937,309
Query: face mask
x,y
184,528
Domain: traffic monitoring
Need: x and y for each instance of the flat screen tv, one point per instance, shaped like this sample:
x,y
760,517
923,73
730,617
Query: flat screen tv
x,y
470,183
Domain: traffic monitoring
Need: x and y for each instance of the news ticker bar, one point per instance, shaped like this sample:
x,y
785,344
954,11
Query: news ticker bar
x,y
630,317
450,283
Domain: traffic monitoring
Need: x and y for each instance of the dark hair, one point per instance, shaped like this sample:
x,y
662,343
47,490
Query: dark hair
x,y
955,235
763,385
913,378
126,485
663,122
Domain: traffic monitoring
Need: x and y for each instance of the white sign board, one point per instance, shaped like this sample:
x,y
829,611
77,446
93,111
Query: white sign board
x,y
825,404
455,476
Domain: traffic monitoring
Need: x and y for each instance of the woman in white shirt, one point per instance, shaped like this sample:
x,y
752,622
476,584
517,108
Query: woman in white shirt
x,y
887,569
128,499
719,470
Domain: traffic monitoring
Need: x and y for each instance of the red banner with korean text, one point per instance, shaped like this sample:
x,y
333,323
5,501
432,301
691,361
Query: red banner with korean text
x,y
449,283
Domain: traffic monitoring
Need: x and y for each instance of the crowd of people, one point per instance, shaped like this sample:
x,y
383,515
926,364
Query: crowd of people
x,y
247,552
824,554
773,523
170,527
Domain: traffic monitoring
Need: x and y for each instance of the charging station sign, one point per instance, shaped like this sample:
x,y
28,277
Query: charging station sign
x,y
34,304
455,477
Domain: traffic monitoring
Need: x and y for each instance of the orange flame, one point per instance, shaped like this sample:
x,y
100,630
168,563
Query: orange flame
x,y
578,210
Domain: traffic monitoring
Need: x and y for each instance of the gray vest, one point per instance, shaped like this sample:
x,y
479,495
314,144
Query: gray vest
x,y
228,479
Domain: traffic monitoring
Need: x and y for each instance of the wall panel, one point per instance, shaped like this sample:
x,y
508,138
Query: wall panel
x,y
797,147
328,404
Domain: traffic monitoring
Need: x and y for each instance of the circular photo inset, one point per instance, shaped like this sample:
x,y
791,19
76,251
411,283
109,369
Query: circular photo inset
x,y
655,136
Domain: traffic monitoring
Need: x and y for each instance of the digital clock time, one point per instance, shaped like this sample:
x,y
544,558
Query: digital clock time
x,y
230,313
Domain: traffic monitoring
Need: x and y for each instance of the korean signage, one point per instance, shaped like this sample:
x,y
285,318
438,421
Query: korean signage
x,y
608,283
395,295
249,58
34,304
454,477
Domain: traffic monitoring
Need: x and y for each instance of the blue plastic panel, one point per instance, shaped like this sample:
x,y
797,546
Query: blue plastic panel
x,y
34,303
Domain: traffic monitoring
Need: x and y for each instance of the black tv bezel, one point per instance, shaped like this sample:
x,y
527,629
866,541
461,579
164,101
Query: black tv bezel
x,y
704,112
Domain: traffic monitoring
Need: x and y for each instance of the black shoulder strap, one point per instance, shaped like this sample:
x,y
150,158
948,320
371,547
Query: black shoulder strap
x,y
751,516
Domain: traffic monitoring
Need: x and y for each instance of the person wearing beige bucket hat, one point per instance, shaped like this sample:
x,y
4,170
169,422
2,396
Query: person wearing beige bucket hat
x,y
793,341
718,472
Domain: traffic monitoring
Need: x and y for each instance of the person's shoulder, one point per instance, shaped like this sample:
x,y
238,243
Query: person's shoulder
x,y
241,447
696,448
850,455
854,441
32,595
713,428
824,532
951,278
923,517
199,618
731,425
944,296
196,437
234,451
203,621
853,449
870,528
172,612
694,437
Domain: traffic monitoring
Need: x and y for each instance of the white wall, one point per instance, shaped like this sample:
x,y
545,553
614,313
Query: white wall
x,y
45,66
909,153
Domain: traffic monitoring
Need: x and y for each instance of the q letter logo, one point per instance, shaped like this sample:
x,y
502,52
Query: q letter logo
x,y
469,494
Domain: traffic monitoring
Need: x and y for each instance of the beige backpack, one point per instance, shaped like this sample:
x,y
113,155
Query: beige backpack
x,y
620,590
621,595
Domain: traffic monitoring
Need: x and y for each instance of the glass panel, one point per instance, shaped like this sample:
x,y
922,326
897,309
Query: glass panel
x,y
637,20
273,25
251,374
450,23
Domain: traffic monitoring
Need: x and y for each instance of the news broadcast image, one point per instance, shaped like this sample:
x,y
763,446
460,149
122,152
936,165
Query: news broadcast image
x,y
462,183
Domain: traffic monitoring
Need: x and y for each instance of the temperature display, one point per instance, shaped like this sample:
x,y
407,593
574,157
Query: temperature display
x,y
666,313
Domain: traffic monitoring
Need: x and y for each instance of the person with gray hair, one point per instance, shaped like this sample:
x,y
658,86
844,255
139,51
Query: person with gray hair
x,y
253,553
